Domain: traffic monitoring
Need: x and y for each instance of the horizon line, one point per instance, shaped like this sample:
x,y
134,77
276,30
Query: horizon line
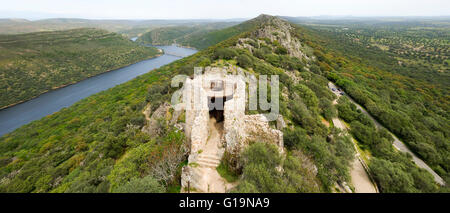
x,y
229,19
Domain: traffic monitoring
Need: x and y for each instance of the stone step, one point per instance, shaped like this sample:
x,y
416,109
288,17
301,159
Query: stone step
x,y
203,160
207,164
215,159
210,157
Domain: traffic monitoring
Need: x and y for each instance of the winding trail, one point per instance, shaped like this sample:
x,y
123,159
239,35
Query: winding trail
x,y
399,145
359,172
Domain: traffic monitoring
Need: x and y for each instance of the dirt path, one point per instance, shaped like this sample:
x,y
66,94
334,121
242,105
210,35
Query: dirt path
x,y
209,159
212,146
399,145
360,178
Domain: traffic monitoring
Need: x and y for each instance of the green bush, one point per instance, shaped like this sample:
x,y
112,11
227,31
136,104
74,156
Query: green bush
x,y
244,61
393,171
226,172
225,53
265,171
281,51
141,185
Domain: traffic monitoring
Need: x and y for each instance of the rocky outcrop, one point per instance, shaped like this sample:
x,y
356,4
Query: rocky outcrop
x,y
245,43
277,31
257,129
281,124
159,117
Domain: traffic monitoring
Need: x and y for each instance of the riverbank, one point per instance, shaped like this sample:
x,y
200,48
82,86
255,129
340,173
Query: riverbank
x,y
52,101
168,44
89,76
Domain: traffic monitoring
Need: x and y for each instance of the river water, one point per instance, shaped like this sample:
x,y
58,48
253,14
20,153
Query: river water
x,y
16,116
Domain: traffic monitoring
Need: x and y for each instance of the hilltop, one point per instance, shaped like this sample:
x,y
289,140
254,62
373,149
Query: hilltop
x,y
203,36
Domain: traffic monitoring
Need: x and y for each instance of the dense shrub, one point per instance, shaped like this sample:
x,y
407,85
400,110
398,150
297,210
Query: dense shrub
x,y
281,50
225,53
332,158
244,61
393,171
262,172
141,185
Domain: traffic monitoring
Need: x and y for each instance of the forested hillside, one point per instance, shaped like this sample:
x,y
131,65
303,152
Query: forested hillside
x,y
129,28
413,107
31,64
180,34
417,49
97,144
200,38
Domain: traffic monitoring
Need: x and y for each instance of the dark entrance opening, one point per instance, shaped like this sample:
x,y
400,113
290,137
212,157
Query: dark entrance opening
x,y
216,107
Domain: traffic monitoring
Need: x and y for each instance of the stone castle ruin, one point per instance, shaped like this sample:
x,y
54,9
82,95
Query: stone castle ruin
x,y
215,104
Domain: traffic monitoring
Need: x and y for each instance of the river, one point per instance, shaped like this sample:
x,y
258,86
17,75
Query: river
x,y
16,116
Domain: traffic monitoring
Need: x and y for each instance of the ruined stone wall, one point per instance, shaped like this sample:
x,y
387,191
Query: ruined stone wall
x,y
234,112
239,129
257,129
197,116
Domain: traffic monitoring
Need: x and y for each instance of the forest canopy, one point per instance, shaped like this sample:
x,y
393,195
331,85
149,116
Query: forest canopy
x,y
33,63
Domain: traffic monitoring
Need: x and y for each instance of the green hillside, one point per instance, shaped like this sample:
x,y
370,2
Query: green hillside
x,y
198,37
97,144
410,102
130,28
166,35
203,40
182,34
31,64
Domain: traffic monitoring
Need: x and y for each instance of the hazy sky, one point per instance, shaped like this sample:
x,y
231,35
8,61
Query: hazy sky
x,y
218,9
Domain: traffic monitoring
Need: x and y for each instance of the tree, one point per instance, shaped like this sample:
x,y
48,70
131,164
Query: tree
x,y
307,95
294,137
391,177
281,50
164,165
266,171
244,61
225,53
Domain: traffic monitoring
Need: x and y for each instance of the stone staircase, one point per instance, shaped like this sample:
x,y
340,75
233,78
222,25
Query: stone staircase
x,y
202,174
208,160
